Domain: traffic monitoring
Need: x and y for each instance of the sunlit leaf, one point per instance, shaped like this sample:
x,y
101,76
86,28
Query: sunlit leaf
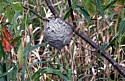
x,y
17,7
9,13
2,4
20,55
89,6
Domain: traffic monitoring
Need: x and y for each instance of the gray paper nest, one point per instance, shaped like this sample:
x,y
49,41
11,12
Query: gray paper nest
x,y
57,32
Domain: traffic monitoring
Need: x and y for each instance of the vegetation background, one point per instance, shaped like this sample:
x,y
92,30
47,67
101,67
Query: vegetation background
x,y
24,55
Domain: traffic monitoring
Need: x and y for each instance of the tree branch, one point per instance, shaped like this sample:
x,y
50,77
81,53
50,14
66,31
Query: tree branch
x,y
42,18
93,44
71,12
51,8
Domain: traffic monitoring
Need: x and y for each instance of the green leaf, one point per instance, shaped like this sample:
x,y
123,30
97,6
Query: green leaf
x,y
15,40
99,7
110,4
48,71
70,74
89,6
17,7
2,53
115,13
122,39
9,14
8,72
66,14
104,46
27,49
122,25
36,46
11,0
14,72
23,74
84,12
16,15
3,4
85,66
20,55
36,63
81,77
2,11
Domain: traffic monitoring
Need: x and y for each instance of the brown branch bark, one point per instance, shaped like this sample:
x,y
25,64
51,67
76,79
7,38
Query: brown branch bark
x,y
42,18
51,8
93,44
71,12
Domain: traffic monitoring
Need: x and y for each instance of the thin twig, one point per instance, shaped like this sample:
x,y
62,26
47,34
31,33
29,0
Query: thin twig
x,y
51,8
71,12
93,44
43,18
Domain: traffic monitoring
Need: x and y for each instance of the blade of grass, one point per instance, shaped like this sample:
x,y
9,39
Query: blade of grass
x,y
81,77
110,4
23,74
66,14
84,12
49,71
115,13
99,7
4,65
27,49
122,25
6,73
36,46
36,63
70,74
104,46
